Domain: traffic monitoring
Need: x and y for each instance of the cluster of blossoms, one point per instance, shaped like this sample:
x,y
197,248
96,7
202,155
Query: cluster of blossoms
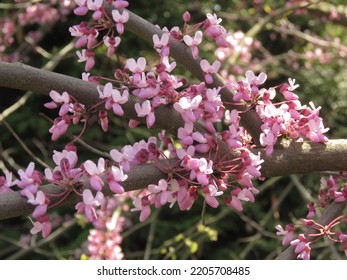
x,y
214,161
240,46
104,240
332,189
288,118
71,111
26,14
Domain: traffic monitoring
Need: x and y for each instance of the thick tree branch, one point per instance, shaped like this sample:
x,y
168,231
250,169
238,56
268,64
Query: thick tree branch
x,y
285,161
24,77
14,205
304,158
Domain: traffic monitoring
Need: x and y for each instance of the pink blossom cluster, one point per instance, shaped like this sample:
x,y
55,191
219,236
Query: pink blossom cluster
x,y
104,240
70,111
29,182
288,118
88,35
72,178
239,45
25,15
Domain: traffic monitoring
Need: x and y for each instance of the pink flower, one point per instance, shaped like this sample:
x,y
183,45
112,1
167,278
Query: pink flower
x,y
186,197
215,31
62,100
145,110
42,224
143,205
29,179
186,16
193,43
189,108
103,120
305,253
94,173
115,176
82,9
60,126
137,68
89,204
120,19
96,5
88,57
299,243
114,98
209,69
234,202
312,210
111,43
268,140
160,192
6,183
162,45
288,233
255,80
40,200
210,193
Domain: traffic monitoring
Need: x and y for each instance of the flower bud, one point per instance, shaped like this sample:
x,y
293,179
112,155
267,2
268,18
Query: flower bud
x,y
186,16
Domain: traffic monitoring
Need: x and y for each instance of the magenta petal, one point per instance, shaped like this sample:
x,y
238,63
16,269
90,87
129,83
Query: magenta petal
x,y
116,188
80,11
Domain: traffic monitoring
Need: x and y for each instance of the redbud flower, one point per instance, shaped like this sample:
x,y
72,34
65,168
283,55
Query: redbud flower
x,y
40,200
89,204
136,67
288,233
120,19
312,210
143,205
6,183
29,179
160,191
193,43
209,69
88,57
94,173
111,43
162,45
305,253
96,6
299,243
114,98
82,9
42,224
103,120
115,176
145,110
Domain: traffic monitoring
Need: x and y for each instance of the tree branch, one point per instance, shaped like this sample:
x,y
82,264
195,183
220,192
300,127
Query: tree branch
x,y
25,77
14,205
